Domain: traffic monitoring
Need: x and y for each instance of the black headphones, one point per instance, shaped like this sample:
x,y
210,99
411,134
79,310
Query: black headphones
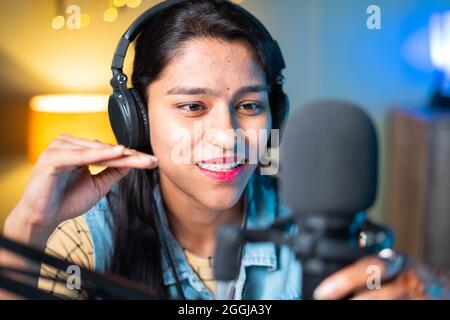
x,y
127,110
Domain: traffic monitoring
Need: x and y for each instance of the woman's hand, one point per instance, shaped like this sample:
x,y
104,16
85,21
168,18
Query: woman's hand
x,y
61,187
358,281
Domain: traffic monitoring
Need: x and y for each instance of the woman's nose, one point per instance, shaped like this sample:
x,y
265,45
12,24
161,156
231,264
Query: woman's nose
x,y
221,126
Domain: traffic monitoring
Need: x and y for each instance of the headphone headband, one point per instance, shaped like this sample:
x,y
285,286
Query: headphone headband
x,y
137,26
128,110
133,31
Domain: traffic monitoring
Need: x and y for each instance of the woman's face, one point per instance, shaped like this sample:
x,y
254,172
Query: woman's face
x,y
208,91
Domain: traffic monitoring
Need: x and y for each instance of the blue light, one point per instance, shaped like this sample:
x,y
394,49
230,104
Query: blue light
x,y
440,57
440,41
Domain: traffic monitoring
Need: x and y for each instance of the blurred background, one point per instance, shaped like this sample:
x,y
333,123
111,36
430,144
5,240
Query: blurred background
x,y
64,48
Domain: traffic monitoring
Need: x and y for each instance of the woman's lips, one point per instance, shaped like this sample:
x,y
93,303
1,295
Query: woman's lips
x,y
221,169
223,176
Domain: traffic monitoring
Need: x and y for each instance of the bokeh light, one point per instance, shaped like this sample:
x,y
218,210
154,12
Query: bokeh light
x,y
119,3
110,14
134,3
85,20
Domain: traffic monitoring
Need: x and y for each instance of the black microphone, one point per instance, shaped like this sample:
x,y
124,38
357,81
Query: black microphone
x,y
337,164
227,253
336,174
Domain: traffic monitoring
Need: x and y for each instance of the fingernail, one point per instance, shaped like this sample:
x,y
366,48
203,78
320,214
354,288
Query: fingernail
x,y
118,148
148,157
324,291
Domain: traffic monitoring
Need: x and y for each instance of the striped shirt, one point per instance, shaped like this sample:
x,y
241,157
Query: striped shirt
x,y
72,242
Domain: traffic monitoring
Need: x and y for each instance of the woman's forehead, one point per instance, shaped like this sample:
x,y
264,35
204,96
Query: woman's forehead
x,y
213,63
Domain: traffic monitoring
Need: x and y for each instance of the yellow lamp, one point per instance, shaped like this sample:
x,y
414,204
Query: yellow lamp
x,y
83,116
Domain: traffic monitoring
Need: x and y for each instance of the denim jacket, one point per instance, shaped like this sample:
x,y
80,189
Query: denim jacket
x,y
266,272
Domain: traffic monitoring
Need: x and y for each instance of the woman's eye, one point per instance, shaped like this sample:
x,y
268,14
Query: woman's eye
x,y
251,108
192,107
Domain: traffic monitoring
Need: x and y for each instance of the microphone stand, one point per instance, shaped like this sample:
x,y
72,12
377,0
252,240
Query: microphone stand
x,y
96,285
323,244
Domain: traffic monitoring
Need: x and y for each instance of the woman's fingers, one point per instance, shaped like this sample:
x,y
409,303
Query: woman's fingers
x,y
349,279
130,159
83,142
59,144
138,161
390,291
105,179
59,160
408,285
64,154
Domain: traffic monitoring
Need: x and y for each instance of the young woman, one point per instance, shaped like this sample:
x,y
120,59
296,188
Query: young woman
x,y
204,62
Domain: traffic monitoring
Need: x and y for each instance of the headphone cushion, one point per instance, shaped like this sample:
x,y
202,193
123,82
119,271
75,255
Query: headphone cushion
x,y
119,117
143,117
280,106
286,108
280,111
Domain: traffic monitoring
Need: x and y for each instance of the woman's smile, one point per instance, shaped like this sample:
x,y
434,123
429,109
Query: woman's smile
x,y
221,169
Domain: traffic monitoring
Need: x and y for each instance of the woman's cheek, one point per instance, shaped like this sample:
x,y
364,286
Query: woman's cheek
x,y
263,126
162,141
173,145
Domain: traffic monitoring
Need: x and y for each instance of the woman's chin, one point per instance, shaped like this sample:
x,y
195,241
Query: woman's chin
x,y
205,189
219,201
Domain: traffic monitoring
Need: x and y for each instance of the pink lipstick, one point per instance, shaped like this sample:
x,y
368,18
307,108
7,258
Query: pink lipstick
x,y
221,169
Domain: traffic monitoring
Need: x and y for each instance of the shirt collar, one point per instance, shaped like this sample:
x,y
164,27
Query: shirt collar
x,y
260,206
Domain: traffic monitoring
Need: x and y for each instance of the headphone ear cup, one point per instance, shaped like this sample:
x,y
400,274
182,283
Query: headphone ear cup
x,y
285,106
280,106
119,118
125,119
144,137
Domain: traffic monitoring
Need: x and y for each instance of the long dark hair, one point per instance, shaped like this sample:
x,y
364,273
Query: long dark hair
x,y
137,254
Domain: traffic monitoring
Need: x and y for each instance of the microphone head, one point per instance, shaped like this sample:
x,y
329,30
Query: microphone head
x,y
337,160
227,260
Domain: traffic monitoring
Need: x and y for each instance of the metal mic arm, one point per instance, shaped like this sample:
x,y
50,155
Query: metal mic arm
x,y
323,244
98,286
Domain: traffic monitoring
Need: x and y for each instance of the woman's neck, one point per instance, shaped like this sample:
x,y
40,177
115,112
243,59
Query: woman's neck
x,y
192,224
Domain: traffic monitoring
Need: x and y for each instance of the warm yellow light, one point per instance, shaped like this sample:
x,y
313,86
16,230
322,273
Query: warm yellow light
x,y
83,116
70,103
110,14
134,3
58,22
85,20
119,3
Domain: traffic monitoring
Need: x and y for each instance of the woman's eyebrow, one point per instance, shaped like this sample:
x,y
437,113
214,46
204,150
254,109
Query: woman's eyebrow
x,y
190,90
197,90
254,88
